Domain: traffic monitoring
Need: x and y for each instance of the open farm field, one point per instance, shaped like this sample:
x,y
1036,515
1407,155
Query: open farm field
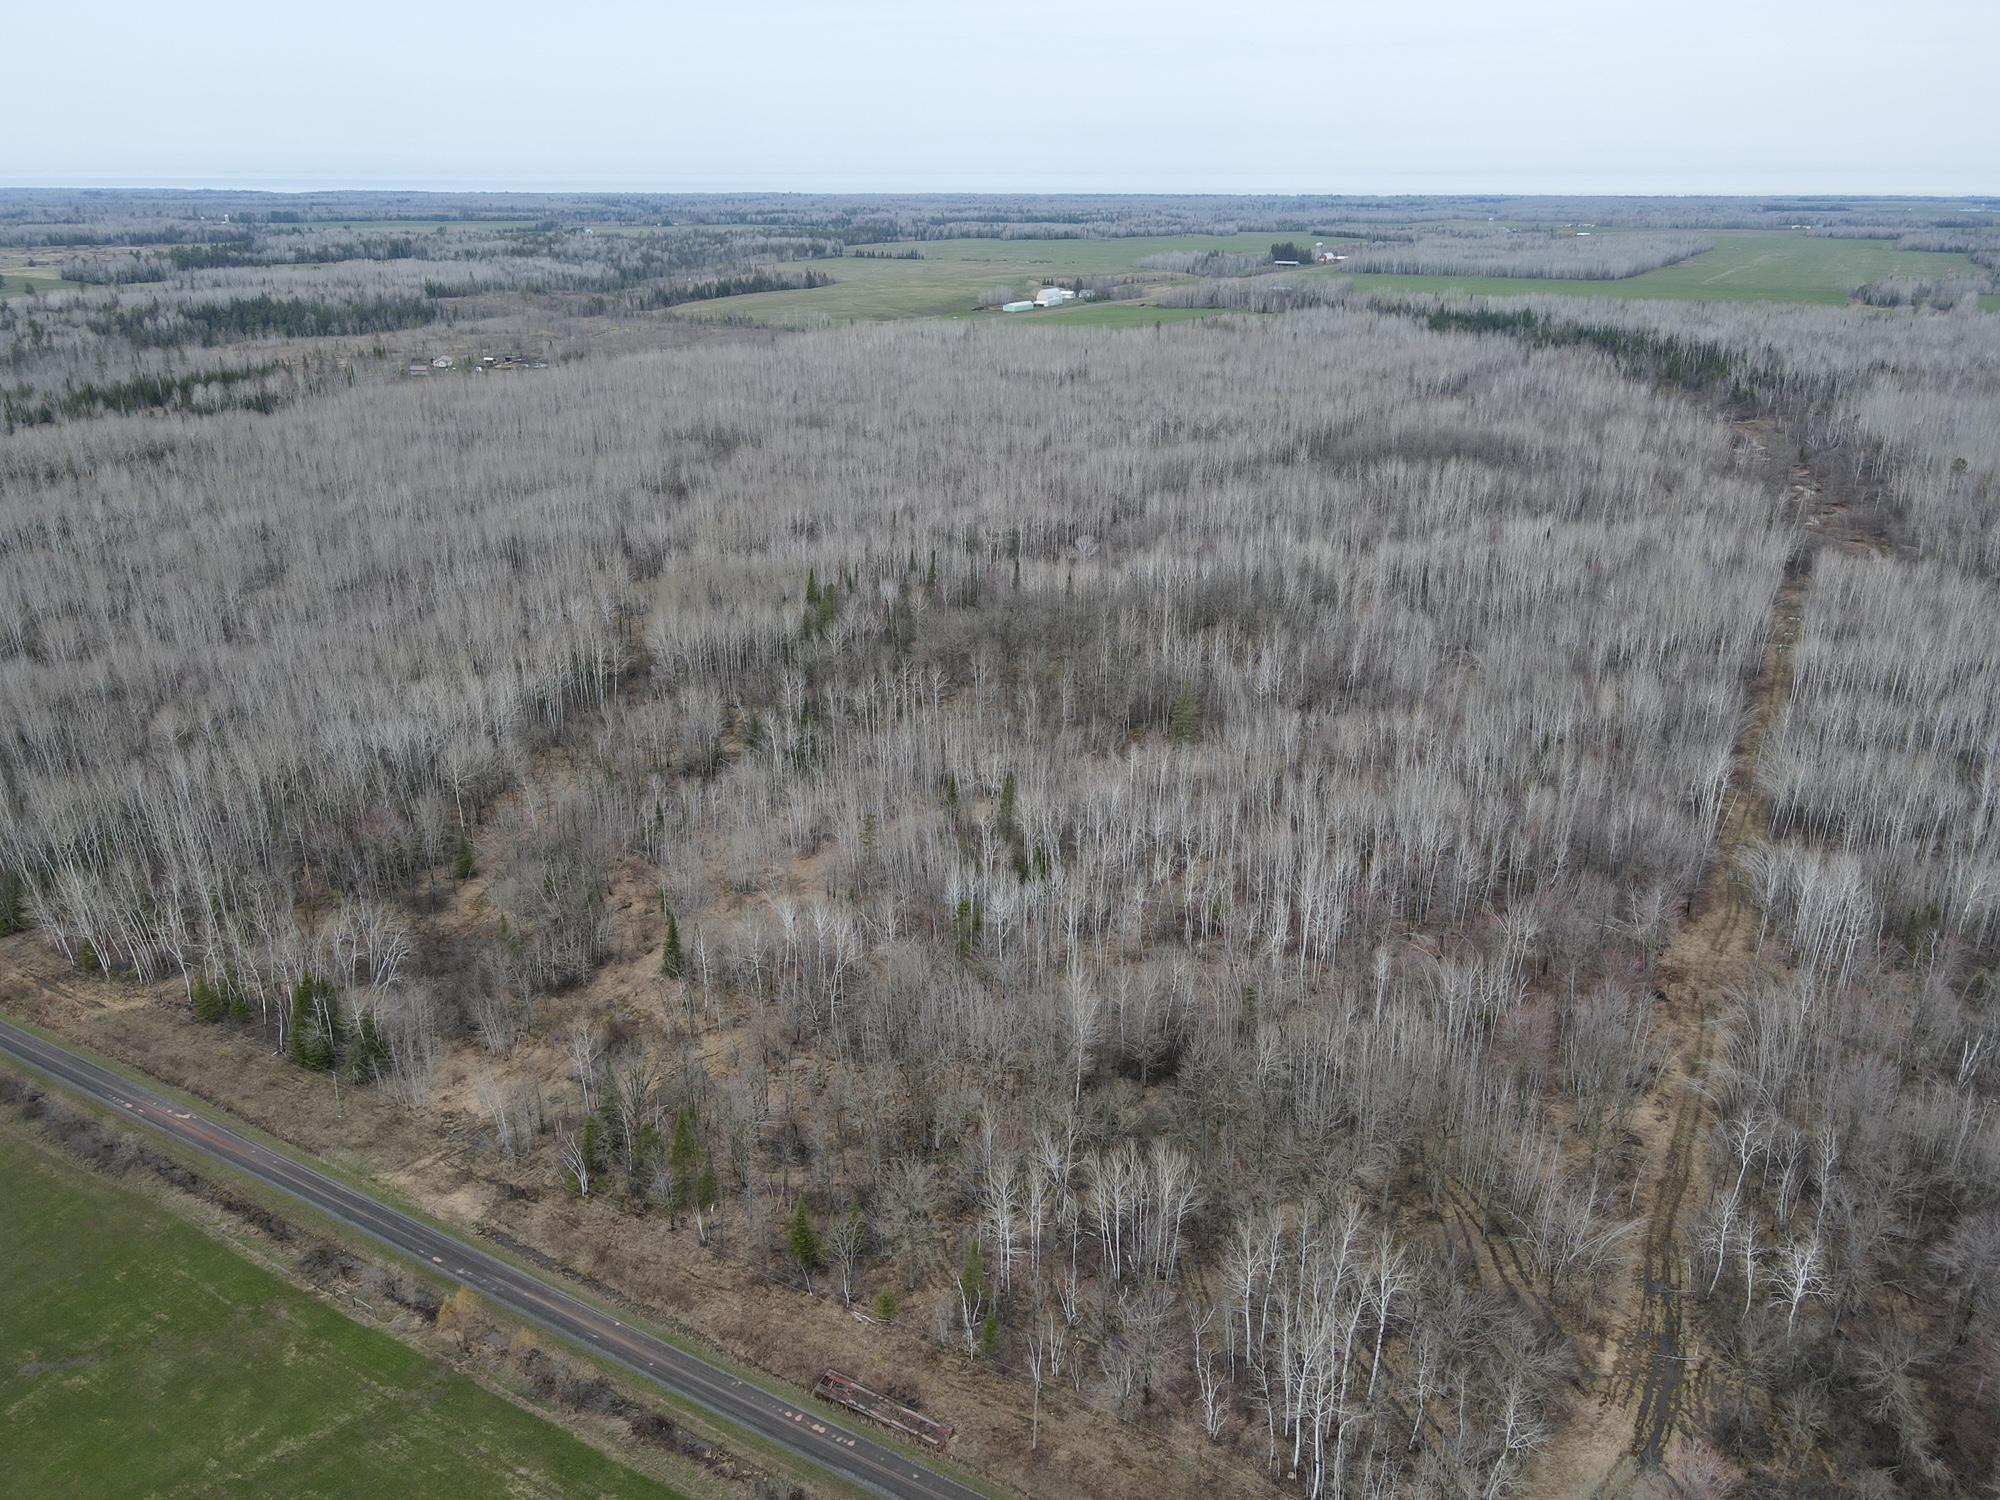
x,y
139,1357
1743,267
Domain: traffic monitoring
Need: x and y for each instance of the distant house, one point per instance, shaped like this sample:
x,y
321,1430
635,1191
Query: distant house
x,y
420,367
442,362
1019,306
1284,262
1053,296
1327,257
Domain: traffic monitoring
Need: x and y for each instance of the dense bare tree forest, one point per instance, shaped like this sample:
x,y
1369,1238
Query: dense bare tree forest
x,y
1406,891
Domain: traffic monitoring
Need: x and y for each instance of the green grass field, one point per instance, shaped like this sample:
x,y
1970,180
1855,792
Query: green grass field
x,y
1743,267
140,1357
16,283
952,274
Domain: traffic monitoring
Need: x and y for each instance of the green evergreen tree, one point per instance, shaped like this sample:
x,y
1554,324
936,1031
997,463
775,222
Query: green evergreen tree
x,y
683,1165
705,1192
211,1004
966,923
972,1276
371,1049
316,1029
1184,720
462,867
673,963
1010,827
802,1244
13,904
644,1154
820,603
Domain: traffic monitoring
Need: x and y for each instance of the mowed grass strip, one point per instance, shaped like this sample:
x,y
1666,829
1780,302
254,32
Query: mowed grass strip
x,y
140,1357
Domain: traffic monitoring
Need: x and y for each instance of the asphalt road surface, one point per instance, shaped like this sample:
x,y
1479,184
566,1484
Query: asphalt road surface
x,y
807,1432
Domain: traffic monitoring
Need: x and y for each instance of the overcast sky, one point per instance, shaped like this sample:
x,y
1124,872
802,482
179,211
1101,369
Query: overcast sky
x,y
1281,96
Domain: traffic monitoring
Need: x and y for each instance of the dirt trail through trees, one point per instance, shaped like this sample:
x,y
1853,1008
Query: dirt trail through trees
x,y
1646,1369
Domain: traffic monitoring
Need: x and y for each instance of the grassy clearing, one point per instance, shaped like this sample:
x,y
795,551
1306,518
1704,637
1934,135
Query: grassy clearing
x,y
952,274
137,1356
19,283
1085,257
1742,267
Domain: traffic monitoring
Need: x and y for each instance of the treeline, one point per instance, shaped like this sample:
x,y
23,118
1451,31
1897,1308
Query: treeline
x,y
653,298
1694,362
1944,293
261,316
237,251
259,388
1261,294
1204,263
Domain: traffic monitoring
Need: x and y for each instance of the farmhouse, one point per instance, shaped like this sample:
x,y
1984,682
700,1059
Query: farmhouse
x,y
1053,296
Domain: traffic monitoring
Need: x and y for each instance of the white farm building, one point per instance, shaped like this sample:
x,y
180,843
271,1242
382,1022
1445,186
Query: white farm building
x,y
1052,296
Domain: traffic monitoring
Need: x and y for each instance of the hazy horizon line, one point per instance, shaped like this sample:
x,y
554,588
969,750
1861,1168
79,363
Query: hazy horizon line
x,y
1399,185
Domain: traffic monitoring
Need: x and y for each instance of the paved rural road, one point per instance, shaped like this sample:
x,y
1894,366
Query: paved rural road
x,y
805,1431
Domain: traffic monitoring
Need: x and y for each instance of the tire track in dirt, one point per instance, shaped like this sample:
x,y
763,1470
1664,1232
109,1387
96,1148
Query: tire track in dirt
x,y
1646,1370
